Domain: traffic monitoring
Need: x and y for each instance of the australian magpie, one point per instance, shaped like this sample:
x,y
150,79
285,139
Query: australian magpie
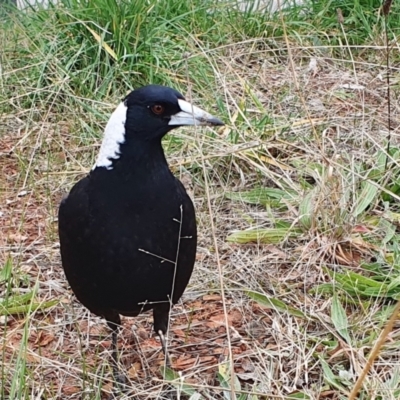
x,y
128,229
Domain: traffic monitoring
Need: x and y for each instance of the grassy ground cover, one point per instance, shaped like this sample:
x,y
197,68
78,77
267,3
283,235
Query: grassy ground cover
x,y
298,265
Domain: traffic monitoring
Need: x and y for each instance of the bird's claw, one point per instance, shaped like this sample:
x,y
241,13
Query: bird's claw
x,y
120,379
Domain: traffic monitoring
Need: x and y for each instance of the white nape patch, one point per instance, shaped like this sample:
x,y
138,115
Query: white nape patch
x,y
114,136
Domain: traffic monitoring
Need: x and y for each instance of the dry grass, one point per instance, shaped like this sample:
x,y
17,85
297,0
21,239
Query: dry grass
x,y
327,121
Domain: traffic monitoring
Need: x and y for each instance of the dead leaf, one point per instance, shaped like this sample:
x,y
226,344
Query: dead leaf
x,y
219,319
134,370
44,338
361,229
69,390
179,333
142,333
17,237
184,363
107,387
105,344
212,297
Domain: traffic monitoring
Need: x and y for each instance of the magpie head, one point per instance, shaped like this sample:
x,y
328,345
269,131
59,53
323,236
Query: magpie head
x,y
146,114
154,110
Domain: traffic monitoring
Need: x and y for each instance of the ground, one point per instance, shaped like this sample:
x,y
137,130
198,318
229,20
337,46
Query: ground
x,y
305,114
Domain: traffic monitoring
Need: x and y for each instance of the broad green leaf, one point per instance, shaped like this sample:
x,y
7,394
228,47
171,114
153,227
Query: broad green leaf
x,y
24,309
195,396
282,224
299,395
13,300
393,382
169,374
384,313
358,285
395,296
339,318
331,288
381,291
175,379
328,374
365,198
394,284
306,209
261,195
23,303
5,272
393,216
381,161
275,304
224,377
390,230
330,377
269,236
353,277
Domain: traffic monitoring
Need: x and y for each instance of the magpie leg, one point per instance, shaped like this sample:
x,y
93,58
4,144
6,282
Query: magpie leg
x,y
114,322
161,315
118,377
160,333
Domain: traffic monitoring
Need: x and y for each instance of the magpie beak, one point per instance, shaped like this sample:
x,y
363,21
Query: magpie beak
x,y
192,115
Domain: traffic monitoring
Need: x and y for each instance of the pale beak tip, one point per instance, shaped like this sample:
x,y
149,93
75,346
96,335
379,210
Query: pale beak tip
x,y
214,121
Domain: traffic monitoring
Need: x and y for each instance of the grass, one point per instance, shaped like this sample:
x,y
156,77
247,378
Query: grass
x,y
300,187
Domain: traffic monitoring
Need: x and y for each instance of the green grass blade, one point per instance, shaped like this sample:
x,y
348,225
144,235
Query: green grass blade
x,y
261,195
27,308
339,318
269,236
299,396
365,198
5,272
175,379
306,211
224,378
330,377
275,304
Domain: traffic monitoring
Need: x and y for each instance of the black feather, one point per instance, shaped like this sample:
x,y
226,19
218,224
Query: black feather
x,y
128,232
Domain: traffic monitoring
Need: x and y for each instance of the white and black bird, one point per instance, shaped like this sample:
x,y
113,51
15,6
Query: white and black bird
x,y
128,229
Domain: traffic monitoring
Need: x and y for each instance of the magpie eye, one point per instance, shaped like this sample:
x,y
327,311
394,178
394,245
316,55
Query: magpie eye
x,y
157,109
